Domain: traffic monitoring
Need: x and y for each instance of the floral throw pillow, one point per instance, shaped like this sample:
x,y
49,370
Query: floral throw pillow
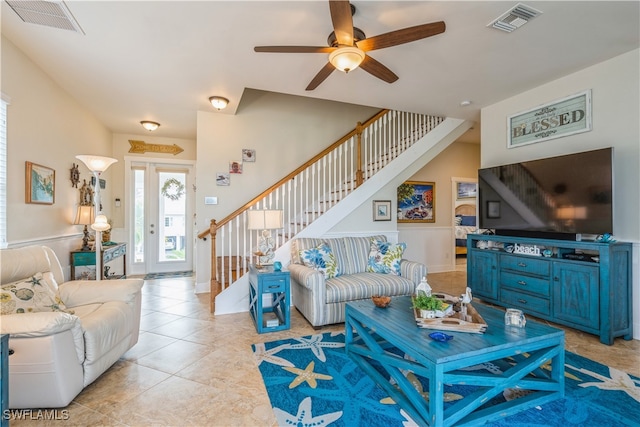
x,y
385,257
30,296
321,258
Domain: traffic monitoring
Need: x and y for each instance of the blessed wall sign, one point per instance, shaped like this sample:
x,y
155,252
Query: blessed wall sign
x,y
563,117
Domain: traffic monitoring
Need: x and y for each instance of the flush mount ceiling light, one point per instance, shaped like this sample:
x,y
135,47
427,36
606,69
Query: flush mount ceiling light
x,y
346,58
149,125
219,102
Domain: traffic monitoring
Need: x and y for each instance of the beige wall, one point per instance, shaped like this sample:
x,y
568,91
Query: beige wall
x,y
48,127
615,86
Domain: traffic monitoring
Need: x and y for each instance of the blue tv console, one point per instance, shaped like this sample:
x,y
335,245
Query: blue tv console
x,y
585,285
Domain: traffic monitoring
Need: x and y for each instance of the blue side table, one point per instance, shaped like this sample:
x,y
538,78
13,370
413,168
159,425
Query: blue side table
x,y
274,286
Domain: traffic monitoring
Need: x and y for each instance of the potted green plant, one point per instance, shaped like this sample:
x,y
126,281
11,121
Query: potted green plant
x,y
427,305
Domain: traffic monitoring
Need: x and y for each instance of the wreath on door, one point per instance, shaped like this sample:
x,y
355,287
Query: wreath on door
x,y
172,189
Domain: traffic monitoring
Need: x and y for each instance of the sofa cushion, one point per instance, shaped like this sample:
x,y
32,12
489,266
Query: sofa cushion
x,y
31,295
385,257
365,285
321,258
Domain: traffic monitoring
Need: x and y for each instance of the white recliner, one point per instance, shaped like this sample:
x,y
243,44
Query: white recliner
x,y
56,354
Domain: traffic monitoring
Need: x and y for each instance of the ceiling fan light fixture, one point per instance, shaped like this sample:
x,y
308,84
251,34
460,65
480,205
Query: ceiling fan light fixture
x,y
346,58
219,102
149,125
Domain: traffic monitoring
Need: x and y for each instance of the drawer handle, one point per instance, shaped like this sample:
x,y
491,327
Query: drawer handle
x,y
522,301
522,282
522,264
274,286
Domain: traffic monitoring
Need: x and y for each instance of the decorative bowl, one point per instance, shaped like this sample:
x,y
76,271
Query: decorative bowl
x,y
440,336
381,301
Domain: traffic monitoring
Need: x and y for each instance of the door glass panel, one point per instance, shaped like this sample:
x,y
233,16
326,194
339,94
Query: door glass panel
x,y
138,214
172,216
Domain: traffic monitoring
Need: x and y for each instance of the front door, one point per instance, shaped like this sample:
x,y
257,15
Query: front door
x,y
161,217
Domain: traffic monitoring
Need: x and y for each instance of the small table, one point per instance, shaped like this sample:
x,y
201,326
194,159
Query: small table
x,y
265,281
109,253
372,332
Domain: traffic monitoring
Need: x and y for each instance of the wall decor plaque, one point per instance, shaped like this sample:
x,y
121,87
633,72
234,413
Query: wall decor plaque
x,y
564,117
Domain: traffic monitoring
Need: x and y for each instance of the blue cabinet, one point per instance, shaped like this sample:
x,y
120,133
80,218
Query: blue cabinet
x,y
269,298
584,285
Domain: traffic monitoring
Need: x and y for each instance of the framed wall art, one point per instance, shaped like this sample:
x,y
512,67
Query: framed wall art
x,y
563,117
223,178
235,167
40,184
382,210
467,190
417,202
248,155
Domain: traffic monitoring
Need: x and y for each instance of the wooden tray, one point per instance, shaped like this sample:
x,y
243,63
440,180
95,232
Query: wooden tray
x,y
472,323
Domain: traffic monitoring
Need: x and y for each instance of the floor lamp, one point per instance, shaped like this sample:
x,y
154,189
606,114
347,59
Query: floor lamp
x,y
97,165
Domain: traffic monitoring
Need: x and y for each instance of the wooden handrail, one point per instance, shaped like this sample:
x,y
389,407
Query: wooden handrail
x,y
296,171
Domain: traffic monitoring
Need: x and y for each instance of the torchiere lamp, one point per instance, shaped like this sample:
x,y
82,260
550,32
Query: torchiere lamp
x,y
97,165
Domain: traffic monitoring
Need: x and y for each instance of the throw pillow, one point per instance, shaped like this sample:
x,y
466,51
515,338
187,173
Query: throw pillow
x,y
29,296
321,258
457,220
385,257
468,220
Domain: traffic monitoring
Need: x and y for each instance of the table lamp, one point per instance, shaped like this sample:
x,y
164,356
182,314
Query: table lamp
x,y
84,216
265,220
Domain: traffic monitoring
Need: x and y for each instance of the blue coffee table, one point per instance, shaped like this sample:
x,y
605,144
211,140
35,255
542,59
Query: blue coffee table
x,y
372,333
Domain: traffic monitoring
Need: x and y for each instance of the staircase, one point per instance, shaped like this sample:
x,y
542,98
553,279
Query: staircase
x,y
320,193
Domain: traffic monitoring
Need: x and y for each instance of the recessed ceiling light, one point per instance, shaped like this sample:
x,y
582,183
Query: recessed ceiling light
x,y
465,103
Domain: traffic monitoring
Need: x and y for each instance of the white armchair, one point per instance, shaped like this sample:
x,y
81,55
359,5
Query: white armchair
x,y
58,353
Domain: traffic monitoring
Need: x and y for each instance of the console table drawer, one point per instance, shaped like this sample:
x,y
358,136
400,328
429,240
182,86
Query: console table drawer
x,y
515,299
528,265
529,284
274,284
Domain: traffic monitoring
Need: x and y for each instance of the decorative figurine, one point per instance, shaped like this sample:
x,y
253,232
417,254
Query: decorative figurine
x,y
75,176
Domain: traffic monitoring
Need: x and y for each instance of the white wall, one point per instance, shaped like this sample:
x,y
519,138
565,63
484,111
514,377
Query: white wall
x,y
48,127
615,86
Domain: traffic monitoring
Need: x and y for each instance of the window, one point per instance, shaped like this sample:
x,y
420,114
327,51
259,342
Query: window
x,y
3,171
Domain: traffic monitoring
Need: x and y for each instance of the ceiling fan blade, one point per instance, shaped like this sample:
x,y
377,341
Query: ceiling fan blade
x,y
294,49
342,21
405,35
378,70
321,76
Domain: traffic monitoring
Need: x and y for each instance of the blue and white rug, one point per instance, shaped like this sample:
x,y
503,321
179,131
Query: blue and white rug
x,y
312,382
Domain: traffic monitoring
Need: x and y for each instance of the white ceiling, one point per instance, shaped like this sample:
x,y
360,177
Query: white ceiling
x,y
161,60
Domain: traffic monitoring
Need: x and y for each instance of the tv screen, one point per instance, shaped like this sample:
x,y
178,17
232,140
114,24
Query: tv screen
x,y
565,195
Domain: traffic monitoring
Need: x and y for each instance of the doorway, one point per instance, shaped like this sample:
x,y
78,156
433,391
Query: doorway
x,y
464,197
160,216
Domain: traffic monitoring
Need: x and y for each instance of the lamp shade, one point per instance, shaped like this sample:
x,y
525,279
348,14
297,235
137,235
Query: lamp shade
x,y
96,163
264,219
85,215
346,58
101,223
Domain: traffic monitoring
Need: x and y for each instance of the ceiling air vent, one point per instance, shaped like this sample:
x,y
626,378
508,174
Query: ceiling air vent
x,y
514,18
54,14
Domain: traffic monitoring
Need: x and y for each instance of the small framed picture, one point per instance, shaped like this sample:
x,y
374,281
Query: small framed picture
x,y
467,190
235,167
382,210
248,155
40,186
493,209
223,178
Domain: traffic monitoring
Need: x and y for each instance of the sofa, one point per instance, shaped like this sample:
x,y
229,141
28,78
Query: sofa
x,y
62,335
326,273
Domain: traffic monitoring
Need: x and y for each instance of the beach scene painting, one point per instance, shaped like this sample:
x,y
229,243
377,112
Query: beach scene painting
x,y
417,202
40,184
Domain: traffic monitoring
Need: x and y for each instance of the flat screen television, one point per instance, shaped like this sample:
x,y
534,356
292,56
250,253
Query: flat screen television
x,y
561,197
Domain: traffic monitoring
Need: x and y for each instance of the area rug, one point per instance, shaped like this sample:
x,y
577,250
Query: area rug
x,y
312,382
169,275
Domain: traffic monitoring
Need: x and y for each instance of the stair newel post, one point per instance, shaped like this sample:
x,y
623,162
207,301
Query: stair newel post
x,y
359,172
215,284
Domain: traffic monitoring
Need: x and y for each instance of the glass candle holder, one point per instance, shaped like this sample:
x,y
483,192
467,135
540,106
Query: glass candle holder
x,y
514,317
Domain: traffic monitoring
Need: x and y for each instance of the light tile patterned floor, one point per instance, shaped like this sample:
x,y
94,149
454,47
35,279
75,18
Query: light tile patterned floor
x,y
192,368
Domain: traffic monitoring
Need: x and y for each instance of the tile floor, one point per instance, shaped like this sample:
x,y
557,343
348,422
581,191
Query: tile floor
x,y
191,368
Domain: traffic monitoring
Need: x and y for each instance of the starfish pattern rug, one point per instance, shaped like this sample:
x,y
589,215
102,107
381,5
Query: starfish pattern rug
x,y
312,382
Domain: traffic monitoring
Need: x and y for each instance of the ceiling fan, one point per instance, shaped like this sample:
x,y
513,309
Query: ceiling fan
x,y
348,44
